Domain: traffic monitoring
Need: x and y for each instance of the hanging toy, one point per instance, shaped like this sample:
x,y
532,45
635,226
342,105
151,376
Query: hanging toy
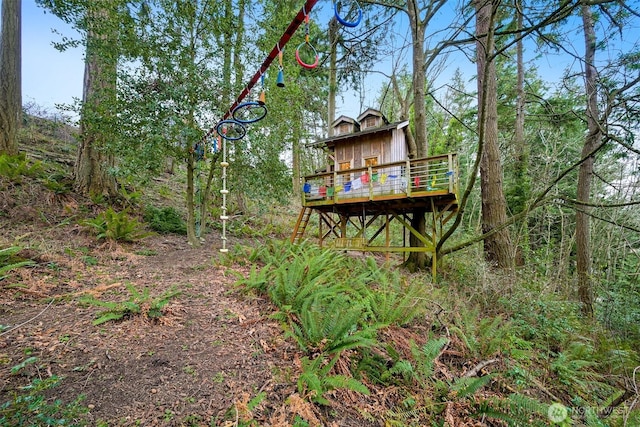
x,y
224,191
280,79
262,98
249,112
231,130
308,47
341,20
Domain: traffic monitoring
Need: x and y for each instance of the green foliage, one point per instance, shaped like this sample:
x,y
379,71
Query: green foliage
x,y
483,336
573,368
618,305
424,357
138,303
117,226
59,183
515,410
14,167
29,407
316,380
8,261
165,220
329,322
392,299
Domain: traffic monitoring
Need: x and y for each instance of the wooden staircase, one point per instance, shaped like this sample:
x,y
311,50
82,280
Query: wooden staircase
x,y
301,224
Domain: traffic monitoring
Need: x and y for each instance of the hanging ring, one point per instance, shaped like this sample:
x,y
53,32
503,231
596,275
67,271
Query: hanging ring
x,y
249,112
349,24
314,52
239,130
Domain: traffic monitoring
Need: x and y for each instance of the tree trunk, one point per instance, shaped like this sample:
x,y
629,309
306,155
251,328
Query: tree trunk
x,y
418,260
497,247
521,161
191,206
92,175
333,74
592,140
10,76
296,131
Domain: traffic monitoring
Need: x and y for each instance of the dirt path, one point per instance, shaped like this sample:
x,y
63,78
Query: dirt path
x,y
211,348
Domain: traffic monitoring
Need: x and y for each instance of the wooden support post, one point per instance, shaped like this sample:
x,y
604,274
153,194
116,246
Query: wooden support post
x,y
434,238
387,237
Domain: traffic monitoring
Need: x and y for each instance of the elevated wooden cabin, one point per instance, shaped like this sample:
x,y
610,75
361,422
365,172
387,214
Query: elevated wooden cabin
x,y
369,181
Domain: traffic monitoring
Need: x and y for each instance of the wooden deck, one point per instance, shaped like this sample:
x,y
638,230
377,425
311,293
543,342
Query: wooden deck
x,y
429,183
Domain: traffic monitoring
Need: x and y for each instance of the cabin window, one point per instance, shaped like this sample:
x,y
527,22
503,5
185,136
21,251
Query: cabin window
x,y
371,161
371,121
344,178
344,128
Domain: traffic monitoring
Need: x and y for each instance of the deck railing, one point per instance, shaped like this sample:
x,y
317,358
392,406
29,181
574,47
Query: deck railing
x,y
427,176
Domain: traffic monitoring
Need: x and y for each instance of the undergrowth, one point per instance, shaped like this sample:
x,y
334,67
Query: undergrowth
x,y
514,357
139,303
28,406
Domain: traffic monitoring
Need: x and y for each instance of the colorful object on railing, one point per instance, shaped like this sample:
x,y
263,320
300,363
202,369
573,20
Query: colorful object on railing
x,y
344,22
309,47
416,181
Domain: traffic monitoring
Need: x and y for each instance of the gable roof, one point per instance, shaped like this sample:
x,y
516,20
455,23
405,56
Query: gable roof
x,y
341,119
372,112
355,135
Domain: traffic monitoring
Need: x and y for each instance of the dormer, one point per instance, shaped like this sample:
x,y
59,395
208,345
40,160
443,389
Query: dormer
x,y
344,125
372,119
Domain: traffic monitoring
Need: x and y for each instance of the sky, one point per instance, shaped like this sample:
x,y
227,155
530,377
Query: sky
x,y
49,77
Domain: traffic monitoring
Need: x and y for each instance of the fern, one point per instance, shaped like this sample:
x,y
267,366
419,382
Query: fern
x,y
426,356
330,322
393,302
484,337
465,387
573,368
118,226
515,409
7,263
315,380
118,310
405,369
14,167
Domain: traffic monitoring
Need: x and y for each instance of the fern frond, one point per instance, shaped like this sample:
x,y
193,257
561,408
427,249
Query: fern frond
x,y
468,386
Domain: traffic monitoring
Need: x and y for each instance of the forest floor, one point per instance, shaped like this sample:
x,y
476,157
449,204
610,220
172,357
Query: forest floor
x,y
211,351
214,356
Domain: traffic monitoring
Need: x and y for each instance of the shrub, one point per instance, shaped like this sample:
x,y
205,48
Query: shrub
x,y
165,220
118,226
